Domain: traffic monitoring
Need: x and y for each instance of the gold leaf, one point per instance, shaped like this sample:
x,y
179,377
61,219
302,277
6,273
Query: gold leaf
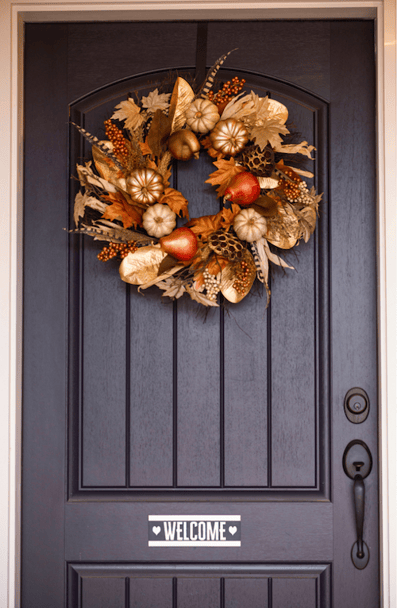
x,y
229,278
142,266
283,229
158,133
181,98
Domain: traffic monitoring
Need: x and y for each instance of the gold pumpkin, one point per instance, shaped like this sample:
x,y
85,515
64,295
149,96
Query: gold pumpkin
x,y
202,115
229,136
145,186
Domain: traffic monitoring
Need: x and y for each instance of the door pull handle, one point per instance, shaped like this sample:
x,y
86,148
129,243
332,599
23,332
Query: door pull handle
x,y
357,464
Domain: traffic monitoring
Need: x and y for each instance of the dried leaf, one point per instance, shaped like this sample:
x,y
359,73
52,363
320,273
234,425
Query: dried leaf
x,y
216,264
229,276
228,215
269,133
226,170
119,209
142,265
302,148
274,257
206,224
267,206
175,201
88,178
173,287
200,297
283,229
181,98
145,148
160,277
156,101
84,200
207,144
159,132
130,112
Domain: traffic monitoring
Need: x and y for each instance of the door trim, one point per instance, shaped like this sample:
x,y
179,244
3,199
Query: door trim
x,y
13,16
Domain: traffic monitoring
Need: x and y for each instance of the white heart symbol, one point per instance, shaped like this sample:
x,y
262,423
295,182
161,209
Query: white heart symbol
x,y
232,530
156,530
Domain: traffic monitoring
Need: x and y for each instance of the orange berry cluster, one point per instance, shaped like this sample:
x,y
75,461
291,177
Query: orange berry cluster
x,y
114,249
291,189
116,136
241,278
229,90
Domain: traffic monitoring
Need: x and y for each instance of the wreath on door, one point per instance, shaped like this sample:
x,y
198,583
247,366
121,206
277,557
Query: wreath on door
x,y
127,200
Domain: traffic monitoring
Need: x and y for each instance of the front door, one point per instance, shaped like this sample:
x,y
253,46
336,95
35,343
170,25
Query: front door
x,y
138,414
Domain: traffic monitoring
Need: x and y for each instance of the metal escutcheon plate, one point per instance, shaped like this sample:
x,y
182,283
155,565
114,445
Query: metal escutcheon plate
x,y
357,459
360,562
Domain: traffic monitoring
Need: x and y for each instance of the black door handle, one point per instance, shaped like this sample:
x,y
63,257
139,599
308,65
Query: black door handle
x,y
357,464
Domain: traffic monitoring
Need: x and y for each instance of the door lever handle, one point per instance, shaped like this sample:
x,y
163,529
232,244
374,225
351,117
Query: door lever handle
x,y
359,504
357,464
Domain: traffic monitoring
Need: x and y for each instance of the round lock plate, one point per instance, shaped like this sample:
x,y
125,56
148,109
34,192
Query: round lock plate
x,y
356,405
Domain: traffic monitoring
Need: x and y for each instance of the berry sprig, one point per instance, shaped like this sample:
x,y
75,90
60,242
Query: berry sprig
x,y
230,89
291,187
114,249
115,135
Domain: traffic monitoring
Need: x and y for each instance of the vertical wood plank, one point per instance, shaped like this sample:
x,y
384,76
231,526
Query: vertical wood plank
x,y
198,593
294,593
198,356
104,372
151,593
151,343
246,393
246,593
103,592
293,355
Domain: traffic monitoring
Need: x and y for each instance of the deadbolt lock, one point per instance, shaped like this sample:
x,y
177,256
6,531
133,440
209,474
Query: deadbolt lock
x,y
356,405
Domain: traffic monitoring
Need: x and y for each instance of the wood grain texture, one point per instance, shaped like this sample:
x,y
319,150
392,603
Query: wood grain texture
x,y
198,356
246,593
151,592
353,274
196,593
103,593
45,317
294,593
304,526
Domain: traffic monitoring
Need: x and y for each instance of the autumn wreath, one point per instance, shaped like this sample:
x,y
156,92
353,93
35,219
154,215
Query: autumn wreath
x,y
127,200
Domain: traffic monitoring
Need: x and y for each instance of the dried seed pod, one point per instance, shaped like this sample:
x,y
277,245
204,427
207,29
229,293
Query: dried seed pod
x,y
226,245
259,162
229,136
202,115
183,145
145,186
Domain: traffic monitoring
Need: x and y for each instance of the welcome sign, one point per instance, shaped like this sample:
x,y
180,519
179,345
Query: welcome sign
x,y
194,530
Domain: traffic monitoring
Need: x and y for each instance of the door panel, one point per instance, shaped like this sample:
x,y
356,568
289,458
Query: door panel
x,y
134,407
225,393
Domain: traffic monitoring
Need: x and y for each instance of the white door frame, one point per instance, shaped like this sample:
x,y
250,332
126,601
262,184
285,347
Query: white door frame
x,y
13,15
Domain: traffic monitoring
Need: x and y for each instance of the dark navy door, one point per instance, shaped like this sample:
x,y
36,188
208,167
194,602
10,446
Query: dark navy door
x,y
138,415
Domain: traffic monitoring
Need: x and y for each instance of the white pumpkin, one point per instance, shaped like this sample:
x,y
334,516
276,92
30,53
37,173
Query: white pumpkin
x,y
249,225
202,115
159,220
